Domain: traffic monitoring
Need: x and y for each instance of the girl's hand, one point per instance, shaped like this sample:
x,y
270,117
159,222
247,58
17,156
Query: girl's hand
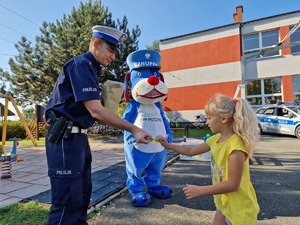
x,y
192,191
162,140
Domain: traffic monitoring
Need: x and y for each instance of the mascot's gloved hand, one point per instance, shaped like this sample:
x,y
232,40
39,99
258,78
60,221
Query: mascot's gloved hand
x,y
131,141
170,138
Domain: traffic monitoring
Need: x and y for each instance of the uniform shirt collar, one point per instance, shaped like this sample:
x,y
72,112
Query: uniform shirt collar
x,y
90,56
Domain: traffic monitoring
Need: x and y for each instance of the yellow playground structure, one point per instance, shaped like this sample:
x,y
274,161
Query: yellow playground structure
x,y
8,97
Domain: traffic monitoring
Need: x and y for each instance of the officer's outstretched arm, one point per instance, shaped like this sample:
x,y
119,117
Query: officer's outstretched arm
x,y
99,112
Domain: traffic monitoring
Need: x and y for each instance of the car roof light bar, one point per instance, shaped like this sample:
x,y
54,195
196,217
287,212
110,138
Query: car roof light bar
x,y
288,103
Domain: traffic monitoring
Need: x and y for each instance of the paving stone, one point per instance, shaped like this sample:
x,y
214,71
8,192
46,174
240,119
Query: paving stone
x,y
3,197
12,186
31,177
9,201
29,191
42,181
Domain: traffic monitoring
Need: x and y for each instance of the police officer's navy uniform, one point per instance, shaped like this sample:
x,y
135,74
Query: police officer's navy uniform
x,y
69,160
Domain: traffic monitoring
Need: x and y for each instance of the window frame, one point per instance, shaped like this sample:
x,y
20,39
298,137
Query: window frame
x,y
263,96
295,35
296,94
260,45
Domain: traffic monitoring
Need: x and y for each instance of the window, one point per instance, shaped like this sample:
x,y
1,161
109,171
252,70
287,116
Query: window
x,y
266,91
270,111
296,88
260,111
251,42
272,86
295,37
254,87
270,39
282,112
259,41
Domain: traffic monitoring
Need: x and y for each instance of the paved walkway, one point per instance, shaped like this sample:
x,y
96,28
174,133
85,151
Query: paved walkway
x,y
30,175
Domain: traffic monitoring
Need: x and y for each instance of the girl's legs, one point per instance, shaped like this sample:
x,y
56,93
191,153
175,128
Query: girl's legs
x,y
220,219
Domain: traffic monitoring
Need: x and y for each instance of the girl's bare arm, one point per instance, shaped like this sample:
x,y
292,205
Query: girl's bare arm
x,y
235,172
186,150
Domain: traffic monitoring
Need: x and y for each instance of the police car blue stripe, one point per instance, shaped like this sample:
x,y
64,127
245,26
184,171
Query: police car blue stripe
x,y
278,121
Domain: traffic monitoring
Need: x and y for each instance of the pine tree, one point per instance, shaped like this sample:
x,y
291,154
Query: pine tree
x,y
35,69
2,83
154,46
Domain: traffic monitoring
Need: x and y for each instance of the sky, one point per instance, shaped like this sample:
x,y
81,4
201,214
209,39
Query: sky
x,y
157,19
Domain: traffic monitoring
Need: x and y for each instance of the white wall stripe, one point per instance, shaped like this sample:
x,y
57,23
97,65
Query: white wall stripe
x,y
204,75
285,65
272,23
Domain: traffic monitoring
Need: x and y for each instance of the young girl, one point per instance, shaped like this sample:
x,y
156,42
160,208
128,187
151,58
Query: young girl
x,y
235,125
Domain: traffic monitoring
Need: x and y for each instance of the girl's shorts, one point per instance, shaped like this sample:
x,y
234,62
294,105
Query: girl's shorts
x,y
226,220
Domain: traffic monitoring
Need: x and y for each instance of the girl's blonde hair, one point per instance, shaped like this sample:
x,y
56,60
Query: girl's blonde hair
x,y
244,118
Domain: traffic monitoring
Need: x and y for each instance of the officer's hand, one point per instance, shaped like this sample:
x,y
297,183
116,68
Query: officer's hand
x,y
143,137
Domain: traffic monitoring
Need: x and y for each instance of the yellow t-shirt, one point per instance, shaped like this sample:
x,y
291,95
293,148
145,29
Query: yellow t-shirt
x,y
240,207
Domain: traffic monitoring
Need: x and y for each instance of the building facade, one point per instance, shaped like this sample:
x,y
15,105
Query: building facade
x,y
198,65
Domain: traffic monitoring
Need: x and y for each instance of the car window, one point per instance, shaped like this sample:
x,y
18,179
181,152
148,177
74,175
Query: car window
x,y
282,112
260,111
295,109
269,111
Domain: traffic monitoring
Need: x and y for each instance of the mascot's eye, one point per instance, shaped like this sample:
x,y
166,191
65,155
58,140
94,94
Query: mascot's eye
x,y
155,74
139,74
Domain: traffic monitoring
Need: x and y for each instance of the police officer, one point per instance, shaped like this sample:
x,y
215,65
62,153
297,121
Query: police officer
x,y
73,107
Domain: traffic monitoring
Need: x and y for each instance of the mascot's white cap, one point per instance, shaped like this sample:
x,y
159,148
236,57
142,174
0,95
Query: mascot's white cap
x,y
143,58
113,37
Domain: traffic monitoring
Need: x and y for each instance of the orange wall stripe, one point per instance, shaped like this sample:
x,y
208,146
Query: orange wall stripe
x,y
195,97
283,31
287,84
218,51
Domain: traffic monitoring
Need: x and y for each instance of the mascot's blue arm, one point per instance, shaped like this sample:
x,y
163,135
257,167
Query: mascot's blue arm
x,y
166,123
130,111
130,114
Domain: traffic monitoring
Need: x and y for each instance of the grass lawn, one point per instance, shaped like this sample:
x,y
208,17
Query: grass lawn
x,y
30,213
193,133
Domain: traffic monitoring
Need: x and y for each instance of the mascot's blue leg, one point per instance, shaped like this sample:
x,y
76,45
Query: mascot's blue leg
x,y
135,180
153,176
138,196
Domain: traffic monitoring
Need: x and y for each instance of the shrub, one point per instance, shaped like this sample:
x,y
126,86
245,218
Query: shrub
x,y
14,129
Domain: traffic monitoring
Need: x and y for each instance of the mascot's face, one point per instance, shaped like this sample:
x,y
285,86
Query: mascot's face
x,y
146,86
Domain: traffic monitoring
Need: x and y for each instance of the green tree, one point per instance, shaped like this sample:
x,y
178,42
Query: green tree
x,y
3,86
35,69
154,46
28,114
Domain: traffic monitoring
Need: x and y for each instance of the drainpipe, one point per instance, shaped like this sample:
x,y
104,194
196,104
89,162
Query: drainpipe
x,y
243,63
238,18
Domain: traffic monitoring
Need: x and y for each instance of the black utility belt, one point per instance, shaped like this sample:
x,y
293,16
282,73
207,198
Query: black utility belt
x,y
62,128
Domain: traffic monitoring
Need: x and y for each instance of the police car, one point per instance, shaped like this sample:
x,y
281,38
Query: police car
x,y
282,118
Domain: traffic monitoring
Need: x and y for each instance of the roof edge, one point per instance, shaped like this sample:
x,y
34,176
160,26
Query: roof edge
x,y
228,25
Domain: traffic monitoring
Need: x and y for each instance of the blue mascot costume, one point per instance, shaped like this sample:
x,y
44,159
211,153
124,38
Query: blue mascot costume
x,y
145,162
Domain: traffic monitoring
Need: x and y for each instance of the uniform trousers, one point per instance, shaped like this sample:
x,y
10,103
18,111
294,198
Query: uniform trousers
x,y
69,168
